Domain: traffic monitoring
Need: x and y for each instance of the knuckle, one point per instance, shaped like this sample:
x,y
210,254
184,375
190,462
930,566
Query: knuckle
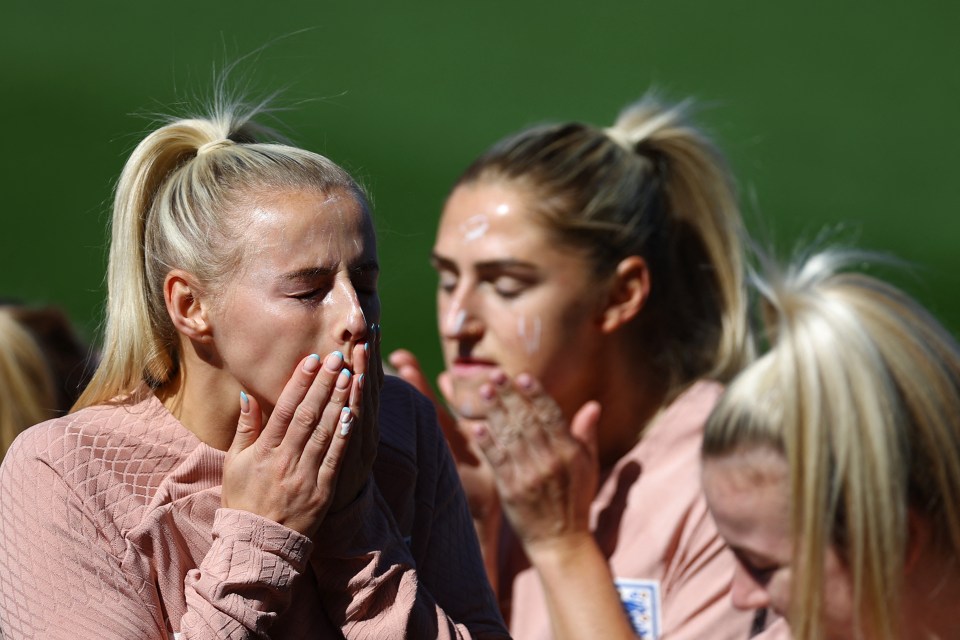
x,y
320,437
284,412
307,417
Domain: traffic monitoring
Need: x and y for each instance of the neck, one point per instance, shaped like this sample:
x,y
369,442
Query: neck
x,y
205,401
631,396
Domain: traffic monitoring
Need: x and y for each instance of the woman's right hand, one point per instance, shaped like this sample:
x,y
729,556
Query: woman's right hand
x,y
476,475
287,470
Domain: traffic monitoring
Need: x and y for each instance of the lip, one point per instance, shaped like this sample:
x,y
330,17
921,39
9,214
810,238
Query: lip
x,y
468,366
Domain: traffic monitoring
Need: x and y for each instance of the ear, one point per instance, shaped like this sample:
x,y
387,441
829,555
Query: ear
x,y
628,293
186,308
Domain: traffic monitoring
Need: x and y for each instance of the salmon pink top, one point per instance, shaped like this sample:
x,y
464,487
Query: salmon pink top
x,y
111,528
650,518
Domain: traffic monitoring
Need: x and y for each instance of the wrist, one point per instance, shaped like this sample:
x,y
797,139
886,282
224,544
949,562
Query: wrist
x,y
561,552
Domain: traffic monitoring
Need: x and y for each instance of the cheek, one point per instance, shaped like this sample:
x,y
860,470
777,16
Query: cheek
x,y
779,591
528,333
838,596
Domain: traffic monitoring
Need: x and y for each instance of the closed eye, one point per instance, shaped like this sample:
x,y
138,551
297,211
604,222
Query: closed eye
x,y
761,574
509,286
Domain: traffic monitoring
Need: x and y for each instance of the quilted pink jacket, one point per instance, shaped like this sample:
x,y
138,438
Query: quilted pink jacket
x,y
111,528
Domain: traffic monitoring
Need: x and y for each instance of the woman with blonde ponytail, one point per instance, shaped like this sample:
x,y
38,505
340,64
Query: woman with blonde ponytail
x,y
239,466
832,464
591,305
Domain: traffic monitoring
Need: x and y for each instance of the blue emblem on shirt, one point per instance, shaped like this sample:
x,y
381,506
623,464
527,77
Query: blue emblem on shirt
x,y
641,601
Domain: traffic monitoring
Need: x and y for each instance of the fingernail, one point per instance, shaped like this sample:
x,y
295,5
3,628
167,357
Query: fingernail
x,y
525,381
334,361
486,392
312,363
343,380
244,403
498,378
346,421
366,346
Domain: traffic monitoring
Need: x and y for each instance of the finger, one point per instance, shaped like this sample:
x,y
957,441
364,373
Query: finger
x,y
584,427
332,383
369,388
495,455
544,408
508,412
248,426
329,468
290,398
361,363
336,418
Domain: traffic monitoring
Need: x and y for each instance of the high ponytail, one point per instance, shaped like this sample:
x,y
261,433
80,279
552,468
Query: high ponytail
x,y
176,207
654,186
860,393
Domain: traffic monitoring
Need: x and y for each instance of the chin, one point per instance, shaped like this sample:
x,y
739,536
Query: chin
x,y
468,404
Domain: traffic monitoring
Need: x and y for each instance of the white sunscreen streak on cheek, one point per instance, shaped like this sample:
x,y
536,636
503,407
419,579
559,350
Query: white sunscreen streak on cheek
x,y
475,227
531,340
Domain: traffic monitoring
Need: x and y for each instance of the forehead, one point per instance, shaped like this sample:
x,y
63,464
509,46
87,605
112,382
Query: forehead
x,y
308,224
748,494
491,219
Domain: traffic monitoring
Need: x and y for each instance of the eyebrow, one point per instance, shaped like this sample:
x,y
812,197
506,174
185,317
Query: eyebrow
x,y
439,261
311,273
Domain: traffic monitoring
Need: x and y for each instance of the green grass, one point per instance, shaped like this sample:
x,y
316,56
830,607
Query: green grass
x,y
830,115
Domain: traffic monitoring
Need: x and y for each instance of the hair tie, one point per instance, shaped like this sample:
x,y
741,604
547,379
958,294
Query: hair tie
x,y
620,137
207,147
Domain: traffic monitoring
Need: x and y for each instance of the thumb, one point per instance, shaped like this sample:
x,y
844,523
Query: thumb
x,y
248,426
583,427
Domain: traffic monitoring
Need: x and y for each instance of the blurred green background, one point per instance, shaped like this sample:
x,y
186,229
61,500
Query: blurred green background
x,y
830,112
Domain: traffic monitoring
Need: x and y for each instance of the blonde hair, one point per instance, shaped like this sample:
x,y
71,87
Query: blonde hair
x,y
176,207
860,392
652,185
26,384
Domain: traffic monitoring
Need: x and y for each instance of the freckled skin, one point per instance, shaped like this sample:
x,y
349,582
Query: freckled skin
x,y
538,314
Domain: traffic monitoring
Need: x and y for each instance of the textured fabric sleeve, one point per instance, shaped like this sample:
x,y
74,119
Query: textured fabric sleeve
x,y
63,573
245,580
697,586
66,572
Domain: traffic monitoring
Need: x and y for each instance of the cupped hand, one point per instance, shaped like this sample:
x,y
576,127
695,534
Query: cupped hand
x,y
287,470
546,470
475,474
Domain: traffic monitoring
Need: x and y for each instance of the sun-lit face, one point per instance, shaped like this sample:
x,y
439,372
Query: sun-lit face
x,y
509,298
748,495
308,285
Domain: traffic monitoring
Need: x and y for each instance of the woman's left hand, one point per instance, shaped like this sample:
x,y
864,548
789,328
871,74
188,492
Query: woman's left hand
x,y
546,470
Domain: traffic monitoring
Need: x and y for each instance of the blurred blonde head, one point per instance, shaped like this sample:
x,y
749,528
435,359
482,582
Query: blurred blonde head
x,y
860,393
176,207
26,384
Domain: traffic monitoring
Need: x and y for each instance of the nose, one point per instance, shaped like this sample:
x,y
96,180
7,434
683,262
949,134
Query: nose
x,y
350,325
457,317
745,592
